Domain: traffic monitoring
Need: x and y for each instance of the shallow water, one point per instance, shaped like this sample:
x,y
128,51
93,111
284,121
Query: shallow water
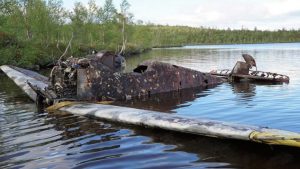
x,y
43,140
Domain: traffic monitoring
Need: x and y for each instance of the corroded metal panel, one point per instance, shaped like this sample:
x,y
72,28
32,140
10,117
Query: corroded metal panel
x,y
83,85
240,68
147,79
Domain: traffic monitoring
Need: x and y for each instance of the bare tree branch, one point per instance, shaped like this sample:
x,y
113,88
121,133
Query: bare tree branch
x,y
66,50
124,40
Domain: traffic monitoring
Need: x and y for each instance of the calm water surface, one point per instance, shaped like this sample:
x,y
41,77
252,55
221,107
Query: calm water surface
x,y
60,140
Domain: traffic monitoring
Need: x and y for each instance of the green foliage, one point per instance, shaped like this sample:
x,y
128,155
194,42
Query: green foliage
x,y
109,12
180,35
36,32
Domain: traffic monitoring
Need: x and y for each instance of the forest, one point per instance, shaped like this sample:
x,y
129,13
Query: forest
x,y
37,32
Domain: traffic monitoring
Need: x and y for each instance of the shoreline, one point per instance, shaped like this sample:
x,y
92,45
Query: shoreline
x,y
137,51
220,44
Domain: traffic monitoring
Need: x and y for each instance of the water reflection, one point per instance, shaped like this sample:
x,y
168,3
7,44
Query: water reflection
x,y
167,101
244,91
227,153
78,142
113,141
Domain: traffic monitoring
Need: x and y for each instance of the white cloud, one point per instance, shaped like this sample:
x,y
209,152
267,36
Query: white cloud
x,y
268,14
263,14
279,7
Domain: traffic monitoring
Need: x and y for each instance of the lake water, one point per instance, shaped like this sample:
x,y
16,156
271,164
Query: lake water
x,y
60,140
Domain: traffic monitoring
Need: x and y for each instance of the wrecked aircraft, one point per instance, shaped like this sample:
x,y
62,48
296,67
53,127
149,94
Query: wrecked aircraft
x,y
99,77
66,78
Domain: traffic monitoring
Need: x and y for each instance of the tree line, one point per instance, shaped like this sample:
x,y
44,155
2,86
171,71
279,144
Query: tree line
x,y
36,32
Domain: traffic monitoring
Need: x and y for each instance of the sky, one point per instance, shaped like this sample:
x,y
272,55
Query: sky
x,y
222,14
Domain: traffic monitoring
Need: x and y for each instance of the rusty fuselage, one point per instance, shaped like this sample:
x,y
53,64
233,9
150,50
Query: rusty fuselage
x,y
97,82
92,79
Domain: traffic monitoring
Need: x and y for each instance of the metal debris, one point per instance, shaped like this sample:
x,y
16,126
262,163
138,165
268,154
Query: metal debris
x,y
241,71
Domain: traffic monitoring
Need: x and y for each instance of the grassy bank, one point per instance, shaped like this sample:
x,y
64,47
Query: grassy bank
x,y
32,55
